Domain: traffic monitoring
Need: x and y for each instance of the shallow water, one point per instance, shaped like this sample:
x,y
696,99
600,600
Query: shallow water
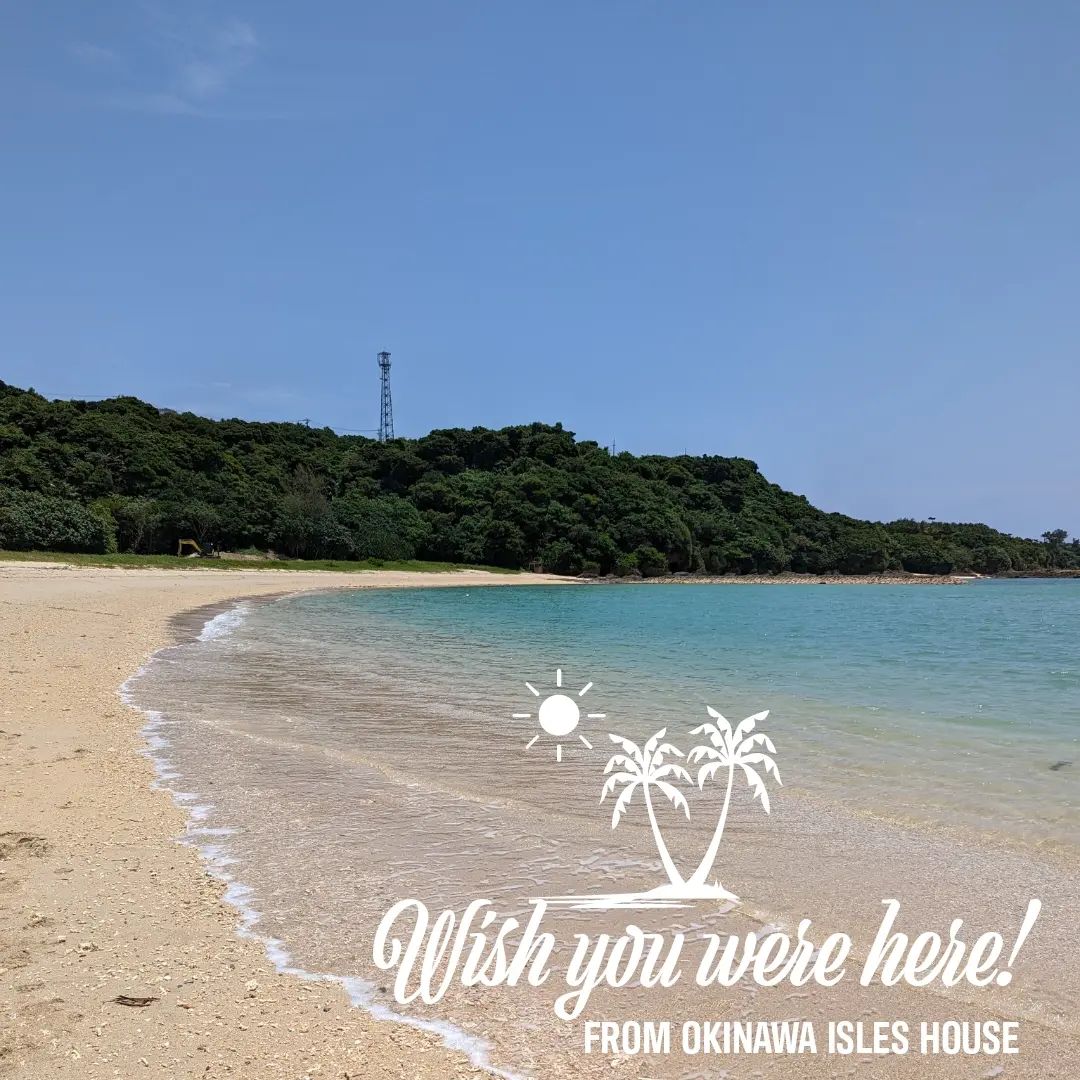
x,y
362,747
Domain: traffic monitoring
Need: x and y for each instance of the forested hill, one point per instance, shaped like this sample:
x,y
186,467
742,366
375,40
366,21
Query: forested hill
x,y
124,475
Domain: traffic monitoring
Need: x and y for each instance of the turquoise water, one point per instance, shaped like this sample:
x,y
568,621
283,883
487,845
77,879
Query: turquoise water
x,y
1002,654
963,701
347,749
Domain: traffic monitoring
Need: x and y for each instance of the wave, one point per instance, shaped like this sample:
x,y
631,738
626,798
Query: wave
x,y
213,853
223,623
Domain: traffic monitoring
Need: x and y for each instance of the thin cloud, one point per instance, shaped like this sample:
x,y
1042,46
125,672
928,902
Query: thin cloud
x,y
197,68
237,35
86,52
161,104
230,50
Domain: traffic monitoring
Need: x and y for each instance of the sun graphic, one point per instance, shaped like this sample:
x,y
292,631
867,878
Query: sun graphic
x,y
559,714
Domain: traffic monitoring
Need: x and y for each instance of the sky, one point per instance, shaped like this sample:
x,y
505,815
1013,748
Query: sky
x,y
840,239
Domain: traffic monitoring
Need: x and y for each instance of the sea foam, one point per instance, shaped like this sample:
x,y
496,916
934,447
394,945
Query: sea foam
x,y
206,841
225,622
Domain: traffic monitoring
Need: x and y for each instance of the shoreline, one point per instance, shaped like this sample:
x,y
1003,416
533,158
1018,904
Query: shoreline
x,y
790,579
100,897
424,572
802,829
106,892
190,627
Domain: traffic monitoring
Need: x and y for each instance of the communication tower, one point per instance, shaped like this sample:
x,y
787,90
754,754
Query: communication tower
x,y
386,409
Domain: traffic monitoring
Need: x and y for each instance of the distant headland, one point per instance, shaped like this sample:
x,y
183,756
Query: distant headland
x,y
121,475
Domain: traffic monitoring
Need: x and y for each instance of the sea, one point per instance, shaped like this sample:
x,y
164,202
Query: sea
x,y
340,751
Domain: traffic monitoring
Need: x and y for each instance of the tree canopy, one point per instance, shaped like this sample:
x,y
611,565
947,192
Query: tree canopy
x,y
121,474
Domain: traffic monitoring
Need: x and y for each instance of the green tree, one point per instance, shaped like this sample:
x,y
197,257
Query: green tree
x,y
1055,543
30,521
527,495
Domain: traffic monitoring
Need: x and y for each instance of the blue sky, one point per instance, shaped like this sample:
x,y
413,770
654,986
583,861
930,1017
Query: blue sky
x,y
840,239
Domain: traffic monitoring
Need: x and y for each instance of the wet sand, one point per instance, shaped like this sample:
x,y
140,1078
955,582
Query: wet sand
x,y
330,790
97,900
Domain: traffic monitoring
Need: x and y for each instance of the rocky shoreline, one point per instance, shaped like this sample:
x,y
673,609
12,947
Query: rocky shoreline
x,y
1047,573
788,579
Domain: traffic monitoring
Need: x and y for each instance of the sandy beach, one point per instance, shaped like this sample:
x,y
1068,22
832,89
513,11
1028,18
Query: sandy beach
x,y
97,900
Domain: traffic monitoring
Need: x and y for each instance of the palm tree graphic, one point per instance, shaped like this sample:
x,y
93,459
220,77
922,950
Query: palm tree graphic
x,y
731,750
644,767
647,768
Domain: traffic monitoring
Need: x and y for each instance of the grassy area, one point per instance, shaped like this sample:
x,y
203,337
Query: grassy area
x,y
171,562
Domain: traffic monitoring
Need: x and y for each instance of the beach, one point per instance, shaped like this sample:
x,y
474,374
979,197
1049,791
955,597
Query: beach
x,y
97,900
